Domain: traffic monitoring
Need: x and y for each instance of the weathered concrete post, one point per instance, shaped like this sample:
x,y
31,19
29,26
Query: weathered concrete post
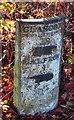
x,y
37,64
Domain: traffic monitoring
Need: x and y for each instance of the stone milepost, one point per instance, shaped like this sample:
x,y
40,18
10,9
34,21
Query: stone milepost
x,y
37,61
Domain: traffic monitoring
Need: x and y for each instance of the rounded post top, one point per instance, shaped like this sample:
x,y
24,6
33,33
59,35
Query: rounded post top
x,y
42,20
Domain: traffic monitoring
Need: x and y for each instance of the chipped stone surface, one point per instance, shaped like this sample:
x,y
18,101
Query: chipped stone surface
x,y
39,93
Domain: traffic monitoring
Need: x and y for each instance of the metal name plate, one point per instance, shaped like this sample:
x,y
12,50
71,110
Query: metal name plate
x,y
37,65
